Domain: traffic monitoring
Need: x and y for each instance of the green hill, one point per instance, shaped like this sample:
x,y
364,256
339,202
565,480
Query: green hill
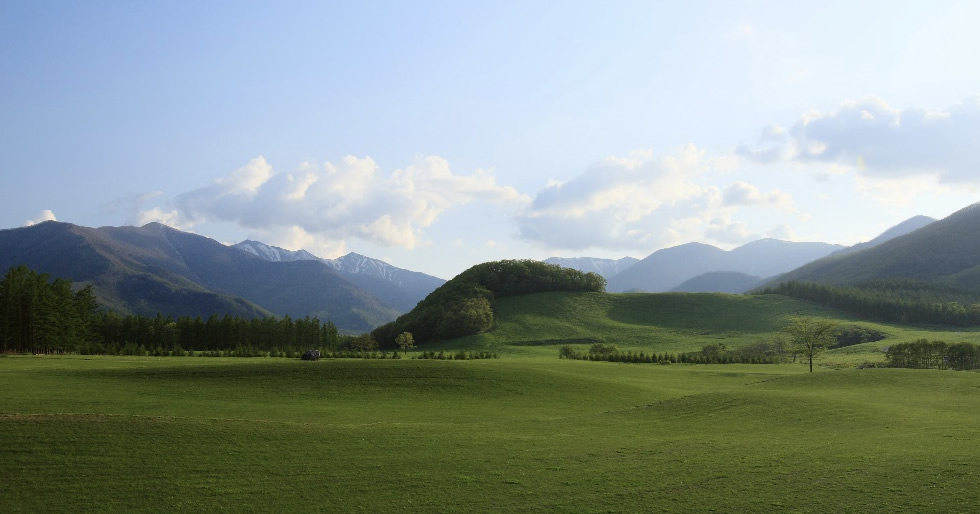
x,y
466,304
662,322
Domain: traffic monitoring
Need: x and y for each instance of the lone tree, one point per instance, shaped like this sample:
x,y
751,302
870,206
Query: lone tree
x,y
405,341
809,337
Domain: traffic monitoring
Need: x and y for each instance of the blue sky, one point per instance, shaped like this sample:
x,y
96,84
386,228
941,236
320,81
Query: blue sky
x,y
437,135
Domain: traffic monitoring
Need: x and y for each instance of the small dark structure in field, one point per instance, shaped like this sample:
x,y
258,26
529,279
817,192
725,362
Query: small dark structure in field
x,y
311,355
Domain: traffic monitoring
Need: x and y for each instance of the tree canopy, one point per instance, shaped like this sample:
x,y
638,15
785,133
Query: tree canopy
x,y
811,336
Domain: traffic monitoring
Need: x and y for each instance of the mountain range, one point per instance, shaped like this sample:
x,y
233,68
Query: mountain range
x,y
608,268
945,251
667,269
399,288
157,269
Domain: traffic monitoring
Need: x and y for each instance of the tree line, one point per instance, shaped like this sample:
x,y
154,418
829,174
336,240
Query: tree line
x,y
894,301
761,353
933,354
40,315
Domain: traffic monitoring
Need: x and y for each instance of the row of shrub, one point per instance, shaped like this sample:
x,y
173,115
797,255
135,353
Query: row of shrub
x,y
458,356
762,353
132,349
567,352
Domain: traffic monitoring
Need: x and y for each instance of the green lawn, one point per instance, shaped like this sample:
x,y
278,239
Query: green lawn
x,y
520,433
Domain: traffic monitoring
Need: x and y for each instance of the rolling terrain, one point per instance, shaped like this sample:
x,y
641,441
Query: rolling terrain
x,y
506,435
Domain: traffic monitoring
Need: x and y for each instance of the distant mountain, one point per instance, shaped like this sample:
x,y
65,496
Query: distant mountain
x,y
945,251
667,269
605,267
906,227
274,253
157,269
732,282
398,288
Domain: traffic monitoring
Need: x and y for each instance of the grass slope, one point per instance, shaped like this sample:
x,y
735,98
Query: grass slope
x,y
538,324
507,435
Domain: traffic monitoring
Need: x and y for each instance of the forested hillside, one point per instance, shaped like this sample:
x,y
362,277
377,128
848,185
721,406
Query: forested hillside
x,y
39,315
928,275
464,305
945,251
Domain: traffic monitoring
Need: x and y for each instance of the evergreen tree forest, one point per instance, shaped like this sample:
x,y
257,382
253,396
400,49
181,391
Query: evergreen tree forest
x,y
38,315
892,301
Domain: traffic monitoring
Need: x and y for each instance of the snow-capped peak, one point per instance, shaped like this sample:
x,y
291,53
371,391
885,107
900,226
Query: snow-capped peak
x,y
274,253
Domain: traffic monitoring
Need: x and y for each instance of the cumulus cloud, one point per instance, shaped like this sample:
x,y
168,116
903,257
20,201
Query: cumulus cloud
x,y
879,140
724,230
45,215
741,193
170,218
352,198
642,203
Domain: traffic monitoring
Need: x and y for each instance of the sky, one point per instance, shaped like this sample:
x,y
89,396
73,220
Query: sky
x,y
439,135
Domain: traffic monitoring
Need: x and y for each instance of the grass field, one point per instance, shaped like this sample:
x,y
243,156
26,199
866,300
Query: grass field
x,y
524,432
512,434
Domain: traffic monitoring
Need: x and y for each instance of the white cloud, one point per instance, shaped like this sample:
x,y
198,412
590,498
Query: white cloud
x,y
741,193
728,232
337,201
643,203
170,218
45,215
782,232
883,141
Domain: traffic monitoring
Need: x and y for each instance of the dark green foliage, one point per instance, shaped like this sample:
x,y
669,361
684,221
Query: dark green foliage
x,y
934,354
894,301
567,352
710,354
459,355
603,349
464,305
855,334
405,341
38,315
810,336
361,343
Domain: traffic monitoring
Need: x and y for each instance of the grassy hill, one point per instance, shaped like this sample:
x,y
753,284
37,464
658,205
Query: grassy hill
x,y
538,324
659,322
506,435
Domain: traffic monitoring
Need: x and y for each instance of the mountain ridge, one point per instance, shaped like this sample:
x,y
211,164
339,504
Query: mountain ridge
x,y
157,269
946,250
